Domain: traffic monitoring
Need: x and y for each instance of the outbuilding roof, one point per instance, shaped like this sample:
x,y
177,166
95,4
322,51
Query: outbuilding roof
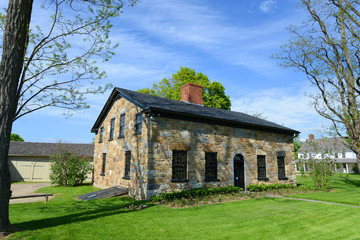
x,y
48,149
192,112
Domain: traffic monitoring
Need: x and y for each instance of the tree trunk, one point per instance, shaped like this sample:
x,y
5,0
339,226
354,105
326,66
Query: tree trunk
x,y
358,162
14,47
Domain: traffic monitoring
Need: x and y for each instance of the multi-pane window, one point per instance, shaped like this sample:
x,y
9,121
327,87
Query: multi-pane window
x,y
103,164
179,166
281,167
127,164
122,125
112,126
261,167
101,134
138,124
210,166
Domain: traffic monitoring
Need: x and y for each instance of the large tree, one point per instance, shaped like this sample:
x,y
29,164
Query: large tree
x,y
52,65
213,92
326,48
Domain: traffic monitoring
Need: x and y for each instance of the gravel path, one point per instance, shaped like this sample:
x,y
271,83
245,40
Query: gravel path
x,y
20,189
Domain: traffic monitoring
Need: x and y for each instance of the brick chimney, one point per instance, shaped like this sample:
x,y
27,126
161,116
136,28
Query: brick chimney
x,y
192,93
311,136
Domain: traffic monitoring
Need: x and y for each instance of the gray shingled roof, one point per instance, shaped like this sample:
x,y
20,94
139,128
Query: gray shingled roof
x,y
325,144
47,149
192,111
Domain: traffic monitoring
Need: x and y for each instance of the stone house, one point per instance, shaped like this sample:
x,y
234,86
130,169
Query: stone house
x,y
152,145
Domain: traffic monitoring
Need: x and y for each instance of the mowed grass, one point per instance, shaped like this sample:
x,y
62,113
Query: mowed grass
x,y
267,218
345,189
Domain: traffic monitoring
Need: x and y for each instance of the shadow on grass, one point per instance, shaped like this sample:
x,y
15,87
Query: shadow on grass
x,y
84,211
349,181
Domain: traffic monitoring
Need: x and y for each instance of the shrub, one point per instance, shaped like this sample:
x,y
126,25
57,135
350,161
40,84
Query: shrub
x,y
321,160
195,193
68,169
321,172
355,169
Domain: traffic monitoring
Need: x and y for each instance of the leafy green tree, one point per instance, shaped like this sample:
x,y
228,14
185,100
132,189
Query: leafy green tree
x,y
213,92
16,137
326,48
53,66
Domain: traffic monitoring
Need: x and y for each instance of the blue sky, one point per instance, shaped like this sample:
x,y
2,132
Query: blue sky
x,y
230,41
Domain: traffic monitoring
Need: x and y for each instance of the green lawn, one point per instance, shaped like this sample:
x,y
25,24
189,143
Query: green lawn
x,y
345,189
266,218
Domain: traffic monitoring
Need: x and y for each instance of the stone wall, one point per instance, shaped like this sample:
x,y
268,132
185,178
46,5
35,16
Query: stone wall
x,y
115,151
197,138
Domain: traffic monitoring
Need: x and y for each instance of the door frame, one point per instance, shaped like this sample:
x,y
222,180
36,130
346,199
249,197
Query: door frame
x,y
246,169
241,163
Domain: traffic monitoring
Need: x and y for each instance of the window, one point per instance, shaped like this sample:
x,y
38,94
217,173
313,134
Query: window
x,y
138,123
261,167
281,168
112,126
122,125
103,165
127,164
101,134
179,166
211,166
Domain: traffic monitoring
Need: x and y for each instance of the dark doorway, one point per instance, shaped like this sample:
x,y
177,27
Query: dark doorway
x,y
239,179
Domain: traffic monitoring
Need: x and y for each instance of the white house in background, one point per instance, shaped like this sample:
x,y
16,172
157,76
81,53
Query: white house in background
x,y
344,157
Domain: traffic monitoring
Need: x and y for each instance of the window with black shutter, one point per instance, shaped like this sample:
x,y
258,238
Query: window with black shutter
x,y
122,125
127,164
112,126
281,168
179,166
103,164
101,134
261,167
138,124
211,166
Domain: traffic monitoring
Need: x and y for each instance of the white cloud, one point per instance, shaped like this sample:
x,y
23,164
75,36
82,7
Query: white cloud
x,y
279,106
193,27
267,6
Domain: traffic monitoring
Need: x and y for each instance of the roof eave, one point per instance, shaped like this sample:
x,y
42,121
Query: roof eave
x,y
116,92
288,130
